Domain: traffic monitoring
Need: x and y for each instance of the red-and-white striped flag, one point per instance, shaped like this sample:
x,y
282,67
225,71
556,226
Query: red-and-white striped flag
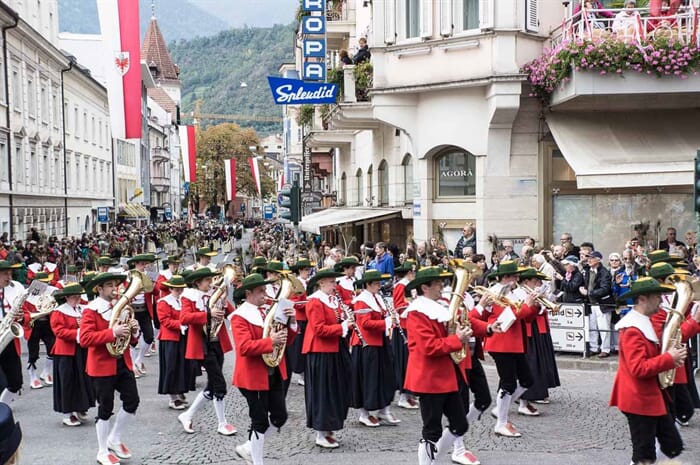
x,y
188,148
255,172
230,171
280,182
119,24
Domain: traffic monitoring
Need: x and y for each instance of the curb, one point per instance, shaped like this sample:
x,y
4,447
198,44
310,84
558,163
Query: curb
x,y
577,363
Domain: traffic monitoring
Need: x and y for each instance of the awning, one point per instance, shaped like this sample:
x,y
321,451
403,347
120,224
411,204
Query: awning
x,y
133,210
336,216
628,149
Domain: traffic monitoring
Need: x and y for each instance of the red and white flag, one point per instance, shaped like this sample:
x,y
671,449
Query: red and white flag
x,y
255,172
119,24
280,182
188,148
230,171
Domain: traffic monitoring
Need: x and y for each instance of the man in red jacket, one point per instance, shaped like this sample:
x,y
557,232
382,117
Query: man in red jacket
x,y
636,391
108,373
431,373
262,386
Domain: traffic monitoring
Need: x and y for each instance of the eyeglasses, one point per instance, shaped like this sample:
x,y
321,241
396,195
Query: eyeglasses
x,y
614,259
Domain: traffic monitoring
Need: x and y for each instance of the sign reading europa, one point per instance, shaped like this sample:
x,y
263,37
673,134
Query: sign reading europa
x,y
296,92
313,28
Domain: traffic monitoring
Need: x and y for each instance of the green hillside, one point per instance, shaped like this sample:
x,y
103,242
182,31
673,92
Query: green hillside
x,y
228,72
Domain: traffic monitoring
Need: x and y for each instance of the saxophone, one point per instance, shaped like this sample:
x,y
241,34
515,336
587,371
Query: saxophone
x,y
122,313
218,297
671,335
464,272
9,328
290,285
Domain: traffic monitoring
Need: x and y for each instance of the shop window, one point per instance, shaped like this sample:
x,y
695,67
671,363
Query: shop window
x,y
407,166
455,173
383,186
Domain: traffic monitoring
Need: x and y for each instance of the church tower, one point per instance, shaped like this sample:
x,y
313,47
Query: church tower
x,y
155,52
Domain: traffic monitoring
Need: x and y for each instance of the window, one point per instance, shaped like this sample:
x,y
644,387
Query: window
x,y
66,127
359,188
467,15
455,173
99,133
16,89
44,103
4,162
33,161
69,168
85,126
383,185
370,184
76,122
31,96
407,165
45,176
93,134
2,83
19,171
343,190
412,17
55,108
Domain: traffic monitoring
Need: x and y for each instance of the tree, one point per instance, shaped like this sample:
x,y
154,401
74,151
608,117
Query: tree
x,y
223,142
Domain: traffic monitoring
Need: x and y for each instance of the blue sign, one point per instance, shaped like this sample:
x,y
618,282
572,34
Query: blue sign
x,y
313,5
168,213
102,215
186,188
313,25
416,209
314,70
268,212
315,48
296,92
242,207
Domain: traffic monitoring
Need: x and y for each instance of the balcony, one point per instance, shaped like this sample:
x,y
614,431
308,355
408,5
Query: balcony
x,y
160,183
600,63
159,154
340,23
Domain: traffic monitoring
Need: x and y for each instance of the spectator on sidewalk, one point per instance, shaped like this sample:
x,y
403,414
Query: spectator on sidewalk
x,y
597,289
670,244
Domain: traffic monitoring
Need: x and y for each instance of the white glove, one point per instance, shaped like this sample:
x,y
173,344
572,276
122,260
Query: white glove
x,y
344,325
183,329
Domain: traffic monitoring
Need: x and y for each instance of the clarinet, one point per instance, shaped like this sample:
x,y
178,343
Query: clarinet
x,y
350,318
389,304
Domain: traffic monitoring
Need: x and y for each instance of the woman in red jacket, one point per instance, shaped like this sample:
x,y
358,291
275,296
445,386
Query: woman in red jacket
x,y
406,272
327,360
297,360
345,287
636,391
72,390
263,387
373,379
175,376
207,348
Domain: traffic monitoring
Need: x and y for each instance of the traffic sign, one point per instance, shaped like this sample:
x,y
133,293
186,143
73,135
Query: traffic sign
x,y
568,328
102,215
569,316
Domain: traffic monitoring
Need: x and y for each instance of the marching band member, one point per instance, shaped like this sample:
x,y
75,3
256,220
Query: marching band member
x,y
431,373
327,360
345,287
144,309
109,374
262,386
406,272
373,379
640,362
208,348
73,394
173,264
508,348
259,265
10,357
105,263
273,272
302,268
176,376
540,352
36,332
204,256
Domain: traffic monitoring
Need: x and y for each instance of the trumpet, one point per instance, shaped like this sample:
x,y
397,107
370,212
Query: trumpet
x,y
544,302
499,298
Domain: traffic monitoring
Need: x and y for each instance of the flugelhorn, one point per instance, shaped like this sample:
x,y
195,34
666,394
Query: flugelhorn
x,y
544,302
499,298
290,286
218,297
122,313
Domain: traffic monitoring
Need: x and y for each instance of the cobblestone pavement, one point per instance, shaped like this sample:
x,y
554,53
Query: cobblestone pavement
x,y
576,428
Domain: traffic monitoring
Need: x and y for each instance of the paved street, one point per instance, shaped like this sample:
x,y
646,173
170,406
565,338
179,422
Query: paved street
x,y
576,428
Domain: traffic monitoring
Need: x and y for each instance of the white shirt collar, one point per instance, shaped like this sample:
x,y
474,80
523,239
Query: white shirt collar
x,y
325,298
634,319
70,311
430,308
346,283
167,274
250,313
403,281
195,295
369,299
102,306
173,301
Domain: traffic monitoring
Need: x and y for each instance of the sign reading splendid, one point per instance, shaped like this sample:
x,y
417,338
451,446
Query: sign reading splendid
x,y
296,92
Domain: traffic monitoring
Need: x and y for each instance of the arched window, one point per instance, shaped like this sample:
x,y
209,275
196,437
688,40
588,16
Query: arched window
x,y
343,190
370,185
383,186
454,173
407,165
359,187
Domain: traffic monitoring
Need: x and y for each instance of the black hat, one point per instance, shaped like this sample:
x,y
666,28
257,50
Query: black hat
x,y
10,433
250,282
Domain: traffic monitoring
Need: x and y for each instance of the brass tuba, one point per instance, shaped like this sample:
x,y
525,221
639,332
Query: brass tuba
x,y
671,335
229,275
463,274
290,286
122,313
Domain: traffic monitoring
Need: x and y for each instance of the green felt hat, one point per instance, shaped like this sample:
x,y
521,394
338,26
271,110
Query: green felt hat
x,y
507,267
71,289
371,276
250,282
42,276
529,273
87,277
407,265
662,270
426,275
275,266
302,263
645,286
206,251
144,257
259,264
176,281
320,274
201,273
70,269
106,261
6,265
346,262
102,278
661,255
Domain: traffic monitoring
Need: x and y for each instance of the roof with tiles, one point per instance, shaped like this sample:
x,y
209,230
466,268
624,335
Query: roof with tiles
x,y
155,53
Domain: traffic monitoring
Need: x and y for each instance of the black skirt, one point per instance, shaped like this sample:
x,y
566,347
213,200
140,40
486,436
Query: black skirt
x,y
176,374
540,358
373,379
296,361
399,350
326,388
72,388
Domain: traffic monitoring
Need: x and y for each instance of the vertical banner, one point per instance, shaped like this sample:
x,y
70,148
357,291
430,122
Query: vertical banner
x,y
119,25
255,172
188,149
306,167
230,172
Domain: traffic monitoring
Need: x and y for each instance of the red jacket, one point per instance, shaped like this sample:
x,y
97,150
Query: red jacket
x,y
345,289
513,340
95,333
636,387
300,308
400,302
193,315
161,291
169,309
323,331
250,371
430,368
369,315
64,324
689,328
